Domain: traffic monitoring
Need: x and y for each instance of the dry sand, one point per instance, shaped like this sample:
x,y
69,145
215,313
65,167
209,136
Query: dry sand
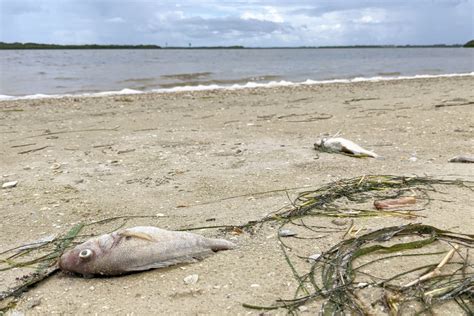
x,y
184,155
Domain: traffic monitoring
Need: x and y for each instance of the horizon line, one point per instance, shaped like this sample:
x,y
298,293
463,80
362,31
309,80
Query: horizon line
x,y
33,45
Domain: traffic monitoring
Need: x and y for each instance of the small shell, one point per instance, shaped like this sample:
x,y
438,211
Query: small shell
x,y
286,233
302,308
191,279
314,257
8,185
340,222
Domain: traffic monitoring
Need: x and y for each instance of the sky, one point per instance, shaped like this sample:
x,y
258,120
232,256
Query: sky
x,y
252,23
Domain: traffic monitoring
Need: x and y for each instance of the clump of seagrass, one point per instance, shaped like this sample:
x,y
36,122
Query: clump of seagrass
x,y
332,276
324,200
44,264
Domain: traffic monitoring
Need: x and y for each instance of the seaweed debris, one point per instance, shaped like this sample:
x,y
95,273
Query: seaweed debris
x,y
45,264
331,275
335,276
326,200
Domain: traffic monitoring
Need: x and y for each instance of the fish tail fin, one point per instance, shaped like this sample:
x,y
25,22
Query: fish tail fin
x,y
371,154
220,244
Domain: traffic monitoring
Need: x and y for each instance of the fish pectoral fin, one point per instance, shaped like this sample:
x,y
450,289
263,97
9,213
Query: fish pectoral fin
x,y
127,233
357,154
346,150
173,261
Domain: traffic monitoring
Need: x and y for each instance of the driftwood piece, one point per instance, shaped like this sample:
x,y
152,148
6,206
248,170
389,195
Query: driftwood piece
x,y
453,104
32,150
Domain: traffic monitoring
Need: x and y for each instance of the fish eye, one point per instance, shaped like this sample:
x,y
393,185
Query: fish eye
x,y
86,253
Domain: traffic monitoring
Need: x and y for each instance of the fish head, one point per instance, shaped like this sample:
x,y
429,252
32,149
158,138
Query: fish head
x,y
319,142
82,259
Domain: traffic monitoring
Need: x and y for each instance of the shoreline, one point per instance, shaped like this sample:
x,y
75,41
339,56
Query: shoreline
x,y
248,85
221,157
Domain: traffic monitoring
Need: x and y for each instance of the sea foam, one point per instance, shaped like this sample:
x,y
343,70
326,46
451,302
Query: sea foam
x,y
248,85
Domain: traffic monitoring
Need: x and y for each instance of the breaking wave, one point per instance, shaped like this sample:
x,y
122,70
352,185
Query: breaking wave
x,y
248,85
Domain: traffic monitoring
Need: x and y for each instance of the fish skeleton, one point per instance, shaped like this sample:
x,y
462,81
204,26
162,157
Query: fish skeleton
x,y
339,144
137,249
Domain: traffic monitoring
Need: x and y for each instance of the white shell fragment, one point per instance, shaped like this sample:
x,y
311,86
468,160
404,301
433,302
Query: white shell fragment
x,y
314,257
37,243
286,233
342,145
340,222
191,279
8,185
362,285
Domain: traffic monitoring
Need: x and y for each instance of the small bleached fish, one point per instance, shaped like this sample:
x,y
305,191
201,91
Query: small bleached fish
x,y
462,159
395,203
138,249
339,144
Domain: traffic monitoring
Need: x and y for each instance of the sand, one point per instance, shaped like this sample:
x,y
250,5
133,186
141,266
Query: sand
x,y
203,158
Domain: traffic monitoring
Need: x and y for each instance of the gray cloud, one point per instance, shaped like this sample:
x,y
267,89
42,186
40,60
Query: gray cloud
x,y
323,7
251,23
199,27
11,7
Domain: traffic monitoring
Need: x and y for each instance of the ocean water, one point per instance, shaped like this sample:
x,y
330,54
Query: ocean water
x,y
37,73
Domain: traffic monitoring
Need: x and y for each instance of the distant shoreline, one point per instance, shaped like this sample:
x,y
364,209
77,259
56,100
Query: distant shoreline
x,y
17,46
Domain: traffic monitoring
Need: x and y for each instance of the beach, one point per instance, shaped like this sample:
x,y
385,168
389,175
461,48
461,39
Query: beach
x,y
224,157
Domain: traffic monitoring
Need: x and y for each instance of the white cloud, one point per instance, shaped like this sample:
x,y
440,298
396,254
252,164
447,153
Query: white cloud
x,y
236,22
267,14
116,19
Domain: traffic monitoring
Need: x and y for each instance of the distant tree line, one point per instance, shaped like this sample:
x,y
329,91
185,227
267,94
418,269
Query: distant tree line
x,y
4,45
96,46
56,46
395,46
469,44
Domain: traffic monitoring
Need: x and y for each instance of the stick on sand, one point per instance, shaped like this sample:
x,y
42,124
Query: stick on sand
x,y
436,270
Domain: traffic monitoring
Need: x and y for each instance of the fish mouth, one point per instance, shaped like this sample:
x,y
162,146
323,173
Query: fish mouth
x,y
67,261
62,264
319,142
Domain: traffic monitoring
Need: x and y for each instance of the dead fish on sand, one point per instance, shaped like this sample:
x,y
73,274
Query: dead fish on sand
x,y
463,159
395,203
138,249
342,145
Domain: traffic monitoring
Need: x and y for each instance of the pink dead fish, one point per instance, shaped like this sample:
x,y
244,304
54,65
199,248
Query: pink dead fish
x,y
138,249
395,203
339,144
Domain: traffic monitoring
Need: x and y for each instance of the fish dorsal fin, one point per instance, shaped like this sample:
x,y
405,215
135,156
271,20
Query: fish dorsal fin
x,y
140,235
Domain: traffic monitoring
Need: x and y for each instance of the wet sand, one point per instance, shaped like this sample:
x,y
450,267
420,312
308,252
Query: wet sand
x,y
204,158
